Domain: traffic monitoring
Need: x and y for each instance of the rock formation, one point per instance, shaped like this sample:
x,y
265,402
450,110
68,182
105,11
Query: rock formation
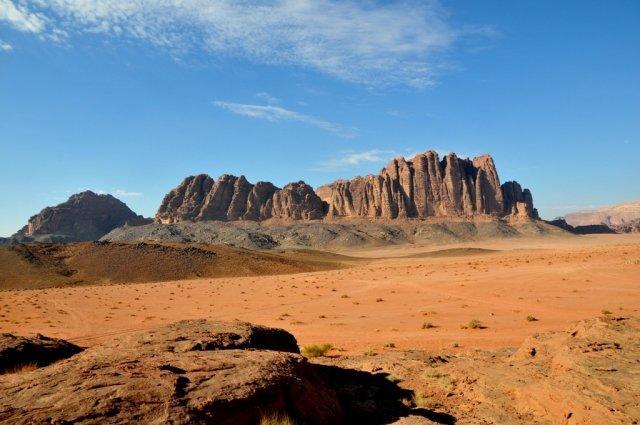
x,y
200,198
427,187
17,351
196,372
422,187
615,216
84,216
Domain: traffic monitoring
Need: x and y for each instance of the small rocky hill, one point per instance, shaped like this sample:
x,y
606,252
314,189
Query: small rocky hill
x,y
84,216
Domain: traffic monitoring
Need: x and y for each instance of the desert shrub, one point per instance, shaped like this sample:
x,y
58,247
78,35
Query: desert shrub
x,y
428,325
606,312
531,318
444,379
315,350
474,324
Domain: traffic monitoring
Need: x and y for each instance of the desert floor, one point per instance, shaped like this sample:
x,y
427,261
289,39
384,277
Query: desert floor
x,y
365,307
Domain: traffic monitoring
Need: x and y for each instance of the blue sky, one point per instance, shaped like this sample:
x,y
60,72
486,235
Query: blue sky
x,y
131,97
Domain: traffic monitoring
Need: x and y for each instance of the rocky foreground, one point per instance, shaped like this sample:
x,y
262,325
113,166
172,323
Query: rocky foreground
x,y
237,373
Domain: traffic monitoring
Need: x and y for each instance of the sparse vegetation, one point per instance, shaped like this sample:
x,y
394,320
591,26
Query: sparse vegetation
x,y
276,419
444,379
23,368
428,325
420,400
474,324
390,345
606,312
531,318
315,350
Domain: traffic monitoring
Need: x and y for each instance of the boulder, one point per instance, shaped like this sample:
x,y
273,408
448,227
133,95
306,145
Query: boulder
x,y
187,372
17,352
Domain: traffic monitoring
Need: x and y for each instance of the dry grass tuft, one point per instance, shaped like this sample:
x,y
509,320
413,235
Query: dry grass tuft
x,y
276,419
315,350
23,368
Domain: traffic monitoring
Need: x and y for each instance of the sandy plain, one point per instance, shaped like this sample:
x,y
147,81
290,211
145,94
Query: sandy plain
x,y
363,308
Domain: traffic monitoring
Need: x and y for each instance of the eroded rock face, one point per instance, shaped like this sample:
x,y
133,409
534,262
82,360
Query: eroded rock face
x,y
20,351
188,372
297,201
230,198
84,216
421,187
427,187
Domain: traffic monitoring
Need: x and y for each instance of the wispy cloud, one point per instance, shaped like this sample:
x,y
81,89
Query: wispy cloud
x,y
20,18
5,47
271,100
125,193
351,159
276,113
373,43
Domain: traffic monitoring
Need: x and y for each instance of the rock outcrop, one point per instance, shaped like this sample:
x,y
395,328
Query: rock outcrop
x,y
18,351
427,187
187,372
230,198
84,216
421,187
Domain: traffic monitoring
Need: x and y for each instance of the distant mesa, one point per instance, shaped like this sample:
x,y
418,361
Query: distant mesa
x,y
84,216
422,187
622,217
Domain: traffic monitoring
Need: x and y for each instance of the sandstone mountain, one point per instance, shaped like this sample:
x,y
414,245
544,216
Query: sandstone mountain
x,y
419,188
84,216
616,216
229,198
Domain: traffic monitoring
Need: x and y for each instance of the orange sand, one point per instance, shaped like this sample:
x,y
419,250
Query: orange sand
x,y
556,280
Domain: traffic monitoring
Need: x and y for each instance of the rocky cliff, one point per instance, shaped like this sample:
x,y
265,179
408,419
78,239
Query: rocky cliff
x,y
84,216
200,198
424,186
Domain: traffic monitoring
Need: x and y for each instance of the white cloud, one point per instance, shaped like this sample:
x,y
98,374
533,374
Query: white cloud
x,y
5,47
351,159
20,18
125,193
374,43
276,113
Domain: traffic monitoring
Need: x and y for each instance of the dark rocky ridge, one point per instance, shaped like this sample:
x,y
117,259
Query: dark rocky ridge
x,y
84,216
422,187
